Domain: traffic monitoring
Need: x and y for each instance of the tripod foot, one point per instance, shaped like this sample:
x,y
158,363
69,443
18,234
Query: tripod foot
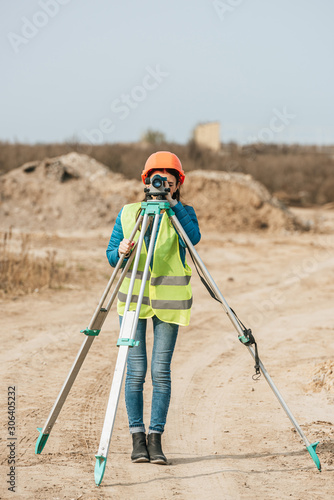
x,y
100,467
40,443
314,456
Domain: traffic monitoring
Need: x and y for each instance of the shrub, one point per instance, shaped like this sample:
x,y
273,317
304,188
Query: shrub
x,y
22,273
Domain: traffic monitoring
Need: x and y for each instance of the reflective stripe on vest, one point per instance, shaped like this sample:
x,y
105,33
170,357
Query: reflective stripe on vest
x,y
171,280
159,304
122,297
172,304
139,275
167,290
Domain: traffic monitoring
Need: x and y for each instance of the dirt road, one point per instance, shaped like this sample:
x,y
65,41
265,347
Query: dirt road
x,y
226,435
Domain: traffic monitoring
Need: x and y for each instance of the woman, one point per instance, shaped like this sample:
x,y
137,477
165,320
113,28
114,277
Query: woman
x,y
167,300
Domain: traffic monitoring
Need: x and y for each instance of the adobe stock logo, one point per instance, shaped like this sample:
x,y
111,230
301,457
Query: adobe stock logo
x,y
278,122
31,28
224,8
124,105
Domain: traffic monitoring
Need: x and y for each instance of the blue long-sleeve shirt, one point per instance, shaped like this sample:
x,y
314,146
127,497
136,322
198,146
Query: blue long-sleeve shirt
x,y
187,218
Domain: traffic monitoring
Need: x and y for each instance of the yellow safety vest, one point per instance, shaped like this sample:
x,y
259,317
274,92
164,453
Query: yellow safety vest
x,y
168,292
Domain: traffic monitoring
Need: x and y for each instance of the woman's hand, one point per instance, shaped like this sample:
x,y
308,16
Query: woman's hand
x,y
125,247
168,196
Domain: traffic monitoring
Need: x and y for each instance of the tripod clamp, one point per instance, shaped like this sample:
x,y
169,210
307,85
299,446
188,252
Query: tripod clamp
x,y
127,342
90,333
248,339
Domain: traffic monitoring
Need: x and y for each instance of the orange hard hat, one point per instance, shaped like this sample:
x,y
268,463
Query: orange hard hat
x,y
163,160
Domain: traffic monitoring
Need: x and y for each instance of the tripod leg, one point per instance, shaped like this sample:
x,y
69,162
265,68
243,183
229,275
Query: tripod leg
x,y
101,456
92,331
310,447
126,340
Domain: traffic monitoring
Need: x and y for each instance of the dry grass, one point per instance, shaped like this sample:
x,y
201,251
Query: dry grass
x,y
323,377
22,273
300,175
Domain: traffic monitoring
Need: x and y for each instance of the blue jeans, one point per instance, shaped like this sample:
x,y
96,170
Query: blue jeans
x,y
165,335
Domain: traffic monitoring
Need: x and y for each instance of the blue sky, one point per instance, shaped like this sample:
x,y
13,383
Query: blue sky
x,y
107,71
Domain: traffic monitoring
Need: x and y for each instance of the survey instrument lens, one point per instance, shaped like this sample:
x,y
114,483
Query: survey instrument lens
x,y
157,181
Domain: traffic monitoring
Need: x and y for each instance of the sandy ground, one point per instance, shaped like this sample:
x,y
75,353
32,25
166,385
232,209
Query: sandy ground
x,y
226,436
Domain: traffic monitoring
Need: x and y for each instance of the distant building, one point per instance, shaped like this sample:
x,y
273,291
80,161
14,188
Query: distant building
x,y
208,135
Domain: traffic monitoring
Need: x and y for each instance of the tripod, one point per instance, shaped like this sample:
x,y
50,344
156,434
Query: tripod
x,y
149,209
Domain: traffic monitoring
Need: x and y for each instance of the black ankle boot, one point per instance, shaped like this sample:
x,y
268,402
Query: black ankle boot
x,y
154,449
139,452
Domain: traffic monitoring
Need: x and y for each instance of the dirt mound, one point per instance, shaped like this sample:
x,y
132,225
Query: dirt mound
x,y
75,191
68,192
323,377
236,202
